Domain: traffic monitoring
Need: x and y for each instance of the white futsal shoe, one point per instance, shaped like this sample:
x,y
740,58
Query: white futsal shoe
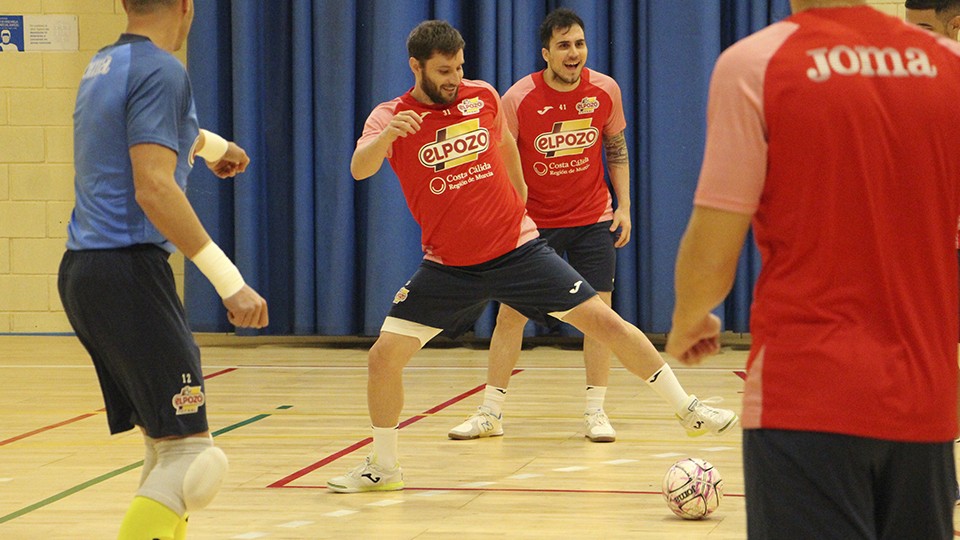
x,y
700,418
482,423
368,476
597,428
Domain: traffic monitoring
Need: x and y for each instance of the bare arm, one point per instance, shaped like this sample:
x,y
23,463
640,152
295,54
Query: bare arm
x,y
706,267
618,166
368,158
162,200
511,158
167,207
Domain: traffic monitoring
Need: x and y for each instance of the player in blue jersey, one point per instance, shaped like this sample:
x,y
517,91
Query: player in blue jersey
x,y
136,135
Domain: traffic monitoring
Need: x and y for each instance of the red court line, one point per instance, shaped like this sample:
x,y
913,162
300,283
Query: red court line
x,y
50,427
529,490
87,415
360,444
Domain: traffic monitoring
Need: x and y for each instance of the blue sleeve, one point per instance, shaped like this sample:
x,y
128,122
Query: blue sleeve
x,y
158,93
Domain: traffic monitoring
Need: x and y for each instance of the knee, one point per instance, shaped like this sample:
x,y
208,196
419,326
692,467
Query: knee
x,y
384,358
204,476
187,475
509,319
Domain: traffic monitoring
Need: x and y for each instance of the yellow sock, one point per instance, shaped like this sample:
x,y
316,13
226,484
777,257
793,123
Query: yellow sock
x,y
147,519
181,532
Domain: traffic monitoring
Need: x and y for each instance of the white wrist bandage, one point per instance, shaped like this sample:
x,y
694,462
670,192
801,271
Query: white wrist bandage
x,y
214,146
216,266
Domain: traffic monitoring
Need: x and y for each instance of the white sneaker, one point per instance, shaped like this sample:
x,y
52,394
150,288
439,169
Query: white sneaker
x,y
368,476
482,423
597,428
701,418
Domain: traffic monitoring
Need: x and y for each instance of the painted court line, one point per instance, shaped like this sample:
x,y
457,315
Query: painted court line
x,y
84,416
80,487
283,482
544,490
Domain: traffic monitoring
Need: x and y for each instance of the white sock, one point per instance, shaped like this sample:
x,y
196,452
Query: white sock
x,y
665,383
385,444
595,397
493,398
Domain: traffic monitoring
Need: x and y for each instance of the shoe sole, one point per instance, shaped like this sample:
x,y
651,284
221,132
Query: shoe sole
x,y
602,438
395,486
459,437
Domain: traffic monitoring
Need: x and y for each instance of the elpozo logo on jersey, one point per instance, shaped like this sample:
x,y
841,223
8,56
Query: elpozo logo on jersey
x,y
588,105
470,106
568,138
455,145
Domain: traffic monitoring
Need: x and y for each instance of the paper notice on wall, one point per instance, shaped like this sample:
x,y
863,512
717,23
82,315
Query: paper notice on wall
x,y
32,33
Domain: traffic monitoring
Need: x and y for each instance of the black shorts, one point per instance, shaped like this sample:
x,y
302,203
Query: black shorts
x,y
589,250
802,484
531,279
124,307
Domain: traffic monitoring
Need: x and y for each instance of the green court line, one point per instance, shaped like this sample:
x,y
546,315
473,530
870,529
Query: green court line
x,y
104,477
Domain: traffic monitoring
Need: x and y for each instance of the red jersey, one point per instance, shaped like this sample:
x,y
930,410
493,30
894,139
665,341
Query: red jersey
x,y
560,136
838,129
454,178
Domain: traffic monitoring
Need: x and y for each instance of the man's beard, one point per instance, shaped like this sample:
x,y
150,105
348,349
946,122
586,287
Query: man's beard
x,y
433,92
565,80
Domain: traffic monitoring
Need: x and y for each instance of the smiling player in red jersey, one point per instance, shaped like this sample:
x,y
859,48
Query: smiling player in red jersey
x,y
564,118
460,173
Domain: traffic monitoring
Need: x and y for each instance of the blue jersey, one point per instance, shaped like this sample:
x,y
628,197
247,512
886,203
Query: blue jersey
x,y
132,92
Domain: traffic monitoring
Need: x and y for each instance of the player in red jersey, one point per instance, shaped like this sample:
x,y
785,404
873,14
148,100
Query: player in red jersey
x,y
941,17
460,173
564,118
814,136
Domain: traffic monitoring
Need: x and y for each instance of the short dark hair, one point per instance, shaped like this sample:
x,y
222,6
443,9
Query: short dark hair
x,y
148,6
939,6
558,19
433,36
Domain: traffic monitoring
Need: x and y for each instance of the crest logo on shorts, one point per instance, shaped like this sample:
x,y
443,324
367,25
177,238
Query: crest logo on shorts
x,y
189,400
567,138
455,145
401,295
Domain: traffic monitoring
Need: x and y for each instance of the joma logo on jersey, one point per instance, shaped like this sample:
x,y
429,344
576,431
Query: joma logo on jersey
x,y
869,62
567,138
587,105
455,145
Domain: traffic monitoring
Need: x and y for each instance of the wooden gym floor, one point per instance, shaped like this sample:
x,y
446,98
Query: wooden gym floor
x,y
289,415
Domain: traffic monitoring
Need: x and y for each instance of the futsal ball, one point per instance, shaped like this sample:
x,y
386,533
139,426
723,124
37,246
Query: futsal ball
x,y
692,488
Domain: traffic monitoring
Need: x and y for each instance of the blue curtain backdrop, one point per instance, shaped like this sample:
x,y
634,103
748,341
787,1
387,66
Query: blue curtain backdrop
x,y
293,81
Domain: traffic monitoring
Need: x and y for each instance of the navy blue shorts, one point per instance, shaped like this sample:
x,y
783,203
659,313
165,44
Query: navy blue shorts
x,y
531,279
589,250
802,484
124,307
